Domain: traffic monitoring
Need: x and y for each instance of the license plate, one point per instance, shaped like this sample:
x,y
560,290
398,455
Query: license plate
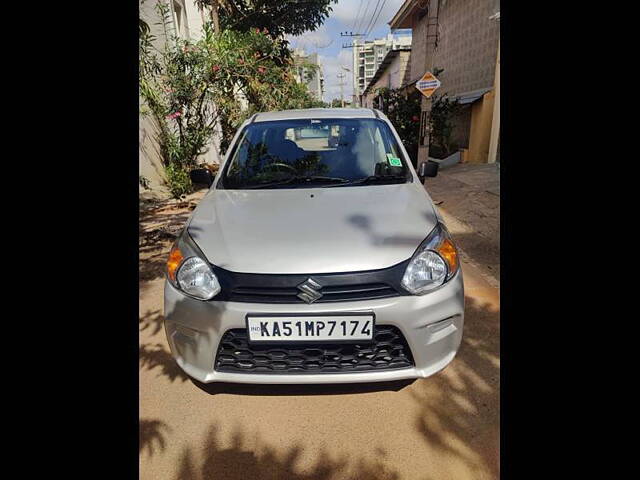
x,y
321,328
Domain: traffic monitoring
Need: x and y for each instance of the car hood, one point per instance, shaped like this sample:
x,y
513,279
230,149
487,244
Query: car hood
x,y
315,230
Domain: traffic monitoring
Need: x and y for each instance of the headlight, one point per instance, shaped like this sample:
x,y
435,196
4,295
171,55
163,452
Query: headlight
x,y
435,262
188,270
196,278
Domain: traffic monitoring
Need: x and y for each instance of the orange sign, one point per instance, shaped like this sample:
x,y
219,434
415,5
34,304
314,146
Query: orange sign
x,y
428,84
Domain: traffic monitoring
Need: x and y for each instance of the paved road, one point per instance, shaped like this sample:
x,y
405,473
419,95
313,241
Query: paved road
x,y
442,427
468,196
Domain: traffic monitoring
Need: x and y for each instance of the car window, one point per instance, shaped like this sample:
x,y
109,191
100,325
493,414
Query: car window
x,y
294,153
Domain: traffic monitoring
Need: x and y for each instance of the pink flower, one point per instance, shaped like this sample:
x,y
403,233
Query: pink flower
x,y
257,30
262,69
415,118
265,31
175,115
215,68
241,62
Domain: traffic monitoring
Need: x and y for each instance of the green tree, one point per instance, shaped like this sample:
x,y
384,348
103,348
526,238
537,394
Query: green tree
x,y
403,112
280,17
189,87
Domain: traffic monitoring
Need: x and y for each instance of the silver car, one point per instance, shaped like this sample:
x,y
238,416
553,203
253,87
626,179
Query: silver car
x,y
316,256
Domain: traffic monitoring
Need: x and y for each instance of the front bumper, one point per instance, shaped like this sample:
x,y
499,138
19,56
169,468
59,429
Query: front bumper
x,y
432,325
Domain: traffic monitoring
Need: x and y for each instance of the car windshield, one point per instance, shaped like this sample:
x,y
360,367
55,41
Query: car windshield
x,y
315,152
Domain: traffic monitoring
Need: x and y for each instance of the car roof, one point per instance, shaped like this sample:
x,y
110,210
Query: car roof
x,y
315,113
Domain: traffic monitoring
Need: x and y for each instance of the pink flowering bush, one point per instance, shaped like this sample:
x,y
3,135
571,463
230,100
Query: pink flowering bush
x,y
190,88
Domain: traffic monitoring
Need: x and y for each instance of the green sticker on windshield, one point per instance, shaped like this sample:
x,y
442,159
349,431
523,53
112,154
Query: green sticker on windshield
x,y
394,161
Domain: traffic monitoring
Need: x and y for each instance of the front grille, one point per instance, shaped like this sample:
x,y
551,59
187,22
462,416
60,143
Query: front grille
x,y
329,294
388,350
334,287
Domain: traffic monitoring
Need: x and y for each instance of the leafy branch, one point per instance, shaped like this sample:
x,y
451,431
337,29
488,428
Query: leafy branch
x,y
192,87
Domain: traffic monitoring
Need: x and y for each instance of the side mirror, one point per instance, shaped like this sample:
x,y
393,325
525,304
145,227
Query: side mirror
x,y
201,176
428,169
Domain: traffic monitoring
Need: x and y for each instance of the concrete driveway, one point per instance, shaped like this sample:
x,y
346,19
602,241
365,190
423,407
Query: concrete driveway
x,y
468,196
442,427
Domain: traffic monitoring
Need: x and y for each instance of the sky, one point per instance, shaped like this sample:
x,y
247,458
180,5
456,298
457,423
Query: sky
x,y
347,16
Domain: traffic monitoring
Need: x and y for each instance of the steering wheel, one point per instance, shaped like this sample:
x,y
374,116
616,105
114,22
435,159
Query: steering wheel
x,y
280,164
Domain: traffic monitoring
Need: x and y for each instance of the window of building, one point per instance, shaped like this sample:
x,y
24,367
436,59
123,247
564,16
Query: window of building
x,y
180,19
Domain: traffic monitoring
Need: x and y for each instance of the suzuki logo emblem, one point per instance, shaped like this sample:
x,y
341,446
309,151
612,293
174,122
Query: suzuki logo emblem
x,y
309,291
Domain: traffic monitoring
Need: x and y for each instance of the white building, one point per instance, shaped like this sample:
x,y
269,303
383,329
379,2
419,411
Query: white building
x,y
313,80
390,74
367,57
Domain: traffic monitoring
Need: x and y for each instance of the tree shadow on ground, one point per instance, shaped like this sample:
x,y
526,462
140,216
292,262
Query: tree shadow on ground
x,y
484,252
459,408
249,457
160,225
152,319
152,267
156,357
152,436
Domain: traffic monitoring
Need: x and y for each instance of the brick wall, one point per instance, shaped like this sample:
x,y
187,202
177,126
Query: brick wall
x,y
418,45
467,44
467,48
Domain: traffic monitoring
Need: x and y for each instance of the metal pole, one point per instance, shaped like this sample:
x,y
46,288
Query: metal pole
x,y
341,77
430,50
347,70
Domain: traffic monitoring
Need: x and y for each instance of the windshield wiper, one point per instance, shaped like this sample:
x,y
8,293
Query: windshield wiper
x,y
301,180
379,179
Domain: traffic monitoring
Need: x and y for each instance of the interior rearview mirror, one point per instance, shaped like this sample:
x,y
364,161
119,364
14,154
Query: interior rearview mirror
x,y
201,176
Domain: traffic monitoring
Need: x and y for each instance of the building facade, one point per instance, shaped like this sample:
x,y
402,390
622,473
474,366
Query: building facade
x,y
314,79
367,57
460,38
391,74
